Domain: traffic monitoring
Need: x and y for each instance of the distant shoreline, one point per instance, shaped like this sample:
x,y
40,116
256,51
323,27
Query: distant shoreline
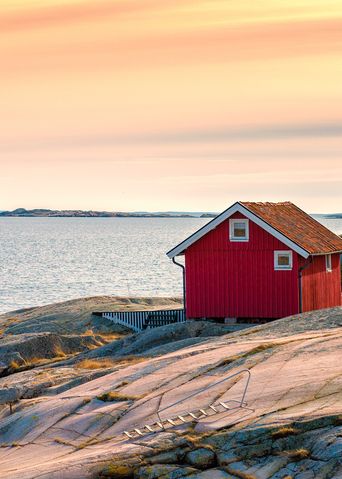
x,y
46,213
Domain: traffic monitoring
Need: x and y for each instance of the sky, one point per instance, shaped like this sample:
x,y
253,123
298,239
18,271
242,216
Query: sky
x,y
131,105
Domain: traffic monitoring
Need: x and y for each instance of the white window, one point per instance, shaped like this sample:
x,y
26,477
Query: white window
x,y
328,263
238,230
283,260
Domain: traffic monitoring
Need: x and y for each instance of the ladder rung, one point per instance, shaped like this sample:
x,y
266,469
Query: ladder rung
x,y
149,428
171,422
160,425
224,405
193,415
203,412
138,432
213,408
182,419
128,434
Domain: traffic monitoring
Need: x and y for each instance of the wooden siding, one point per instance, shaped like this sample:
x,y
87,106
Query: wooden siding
x,y
322,289
237,279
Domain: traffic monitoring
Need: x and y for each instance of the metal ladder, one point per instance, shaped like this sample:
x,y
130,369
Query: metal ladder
x,y
194,415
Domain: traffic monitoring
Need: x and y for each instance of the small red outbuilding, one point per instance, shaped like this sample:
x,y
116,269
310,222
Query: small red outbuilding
x,y
262,261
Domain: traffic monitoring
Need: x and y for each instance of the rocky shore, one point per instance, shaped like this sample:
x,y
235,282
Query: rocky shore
x,y
64,416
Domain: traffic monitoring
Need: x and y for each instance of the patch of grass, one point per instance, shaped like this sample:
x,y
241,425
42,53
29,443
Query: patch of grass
x,y
88,332
194,438
113,336
229,360
284,432
58,351
118,471
35,361
260,348
89,442
249,331
96,364
63,442
257,349
10,444
109,362
297,454
14,365
131,359
117,396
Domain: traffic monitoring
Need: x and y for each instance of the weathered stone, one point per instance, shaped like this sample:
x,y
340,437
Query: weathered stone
x,y
11,358
222,440
227,457
326,470
167,457
51,436
9,395
239,467
328,446
282,473
254,450
269,466
118,471
287,443
212,474
202,458
24,347
163,471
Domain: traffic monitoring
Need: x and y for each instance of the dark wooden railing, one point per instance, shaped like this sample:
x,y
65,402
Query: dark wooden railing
x,y
139,320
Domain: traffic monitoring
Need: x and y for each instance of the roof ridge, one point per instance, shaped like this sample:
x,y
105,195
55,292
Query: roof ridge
x,y
267,203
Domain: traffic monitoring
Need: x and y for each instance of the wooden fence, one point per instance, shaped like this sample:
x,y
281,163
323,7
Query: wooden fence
x,y
139,320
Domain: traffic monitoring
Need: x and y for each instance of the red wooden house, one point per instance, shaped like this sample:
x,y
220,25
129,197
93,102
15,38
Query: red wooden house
x,y
260,260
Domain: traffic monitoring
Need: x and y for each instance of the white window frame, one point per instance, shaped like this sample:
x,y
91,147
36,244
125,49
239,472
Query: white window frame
x,y
328,264
232,222
278,267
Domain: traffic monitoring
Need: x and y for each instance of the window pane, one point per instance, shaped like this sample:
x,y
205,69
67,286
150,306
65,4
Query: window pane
x,y
328,261
284,260
239,230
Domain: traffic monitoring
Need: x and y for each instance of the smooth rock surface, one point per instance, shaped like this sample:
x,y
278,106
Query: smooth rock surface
x,y
296,382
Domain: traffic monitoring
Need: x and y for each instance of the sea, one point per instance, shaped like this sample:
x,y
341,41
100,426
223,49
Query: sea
x,y
48,260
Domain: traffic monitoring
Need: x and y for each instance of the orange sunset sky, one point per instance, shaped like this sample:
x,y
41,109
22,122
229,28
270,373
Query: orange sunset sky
x,y
170,105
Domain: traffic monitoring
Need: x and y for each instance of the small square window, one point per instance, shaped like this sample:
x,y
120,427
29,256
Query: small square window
x,y
328,263
283,260
238,230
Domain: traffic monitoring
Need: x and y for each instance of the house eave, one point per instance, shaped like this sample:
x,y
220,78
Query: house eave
x,y
236,207
326,252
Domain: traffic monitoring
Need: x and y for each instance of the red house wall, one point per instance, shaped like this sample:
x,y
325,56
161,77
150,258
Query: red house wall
x,y
321,289
237,279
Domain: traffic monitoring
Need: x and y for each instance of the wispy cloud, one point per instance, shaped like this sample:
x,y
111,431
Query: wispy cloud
x,y
32,16
191,136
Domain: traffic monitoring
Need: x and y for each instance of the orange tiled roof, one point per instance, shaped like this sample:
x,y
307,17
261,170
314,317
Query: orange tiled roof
x,y
297,225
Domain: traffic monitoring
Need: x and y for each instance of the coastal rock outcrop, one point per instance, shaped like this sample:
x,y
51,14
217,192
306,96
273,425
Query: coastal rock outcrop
x,y
291,428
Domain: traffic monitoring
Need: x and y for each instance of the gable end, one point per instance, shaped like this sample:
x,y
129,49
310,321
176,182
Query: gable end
x,y
236,207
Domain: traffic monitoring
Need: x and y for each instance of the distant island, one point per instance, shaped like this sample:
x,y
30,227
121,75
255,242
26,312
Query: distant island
x,y
330,216
43,213
39,212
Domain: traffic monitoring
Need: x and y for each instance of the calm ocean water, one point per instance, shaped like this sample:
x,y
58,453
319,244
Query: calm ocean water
x,y
46,260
